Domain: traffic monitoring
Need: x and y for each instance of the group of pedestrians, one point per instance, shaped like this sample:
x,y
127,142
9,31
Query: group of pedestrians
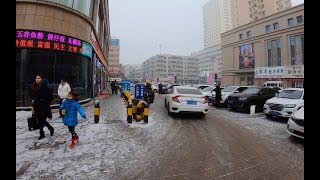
x,y
69,106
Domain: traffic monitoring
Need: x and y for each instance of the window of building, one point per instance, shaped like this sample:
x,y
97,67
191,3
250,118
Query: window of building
x,y
75,68
278,52
240,36
290,22
250,81
300,19
268,28
262,6
292,50
302,47
269,47
275,26
249,34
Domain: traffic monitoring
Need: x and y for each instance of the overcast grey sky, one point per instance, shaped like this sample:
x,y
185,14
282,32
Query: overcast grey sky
x,y
142,25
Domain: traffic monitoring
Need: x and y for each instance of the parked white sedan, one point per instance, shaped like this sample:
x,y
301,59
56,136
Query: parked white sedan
x,y
295,125
182,99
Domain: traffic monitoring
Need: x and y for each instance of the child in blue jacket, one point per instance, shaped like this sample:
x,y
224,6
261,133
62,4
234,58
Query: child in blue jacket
x,y
69,109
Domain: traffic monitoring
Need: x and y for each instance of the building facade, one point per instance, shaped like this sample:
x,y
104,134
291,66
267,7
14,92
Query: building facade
x,y
217,18
271,48
173,68
246,11
115,68
209,63
61,39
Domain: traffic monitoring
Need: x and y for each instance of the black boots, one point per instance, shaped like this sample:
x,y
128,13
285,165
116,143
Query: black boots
x,y
41,135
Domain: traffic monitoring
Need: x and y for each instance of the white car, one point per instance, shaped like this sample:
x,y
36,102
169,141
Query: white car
x,y
295,125
181,99
284,103
230,90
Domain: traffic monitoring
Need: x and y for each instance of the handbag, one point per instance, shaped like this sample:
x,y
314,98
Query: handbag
x,y
32,123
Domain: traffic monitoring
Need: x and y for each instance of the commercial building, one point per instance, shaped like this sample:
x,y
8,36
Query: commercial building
x,y
271,48
61,39
115,68
171,68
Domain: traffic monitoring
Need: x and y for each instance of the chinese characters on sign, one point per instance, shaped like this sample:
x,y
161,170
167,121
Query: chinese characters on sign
x,y
139,91
294,71
125,85
269,72
48,40
280,72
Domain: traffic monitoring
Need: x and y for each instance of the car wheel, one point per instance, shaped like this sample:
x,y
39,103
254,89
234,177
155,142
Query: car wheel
x,y
202,115
268,116
226,104
247,109
169,112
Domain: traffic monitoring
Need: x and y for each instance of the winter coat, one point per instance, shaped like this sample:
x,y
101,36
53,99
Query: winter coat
x,y
42,97
218,93
71,107
63,90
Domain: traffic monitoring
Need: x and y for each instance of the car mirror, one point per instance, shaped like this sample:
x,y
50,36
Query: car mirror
x,y
236,91
276,94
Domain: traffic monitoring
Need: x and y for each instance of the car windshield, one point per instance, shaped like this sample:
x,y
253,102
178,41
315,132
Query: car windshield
x,y
229,89
253,90
189,91
207,89
290,94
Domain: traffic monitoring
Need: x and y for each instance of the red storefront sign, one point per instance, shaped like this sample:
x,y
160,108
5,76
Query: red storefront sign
x,y
47,40
97,48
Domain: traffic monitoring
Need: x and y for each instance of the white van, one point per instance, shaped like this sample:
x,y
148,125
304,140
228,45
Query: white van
x,y
273,84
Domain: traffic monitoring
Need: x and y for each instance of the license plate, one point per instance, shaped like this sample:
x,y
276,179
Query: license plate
x,y
274,113
192,102
230,102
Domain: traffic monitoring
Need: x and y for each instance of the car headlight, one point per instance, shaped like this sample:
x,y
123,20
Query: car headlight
x,y
290,105
243,98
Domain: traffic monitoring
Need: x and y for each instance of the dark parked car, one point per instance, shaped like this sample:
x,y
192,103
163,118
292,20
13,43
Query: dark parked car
x,y
251,96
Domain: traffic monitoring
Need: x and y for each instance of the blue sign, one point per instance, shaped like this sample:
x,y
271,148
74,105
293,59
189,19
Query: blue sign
x,y
115,42
86,49
125,85
139,91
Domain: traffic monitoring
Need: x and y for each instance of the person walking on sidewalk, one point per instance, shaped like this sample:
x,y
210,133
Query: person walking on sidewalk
x,y
63,90
69,109
42,96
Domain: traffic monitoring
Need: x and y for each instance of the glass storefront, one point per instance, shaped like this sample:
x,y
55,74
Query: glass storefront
x,y
99,76
75,68
83,6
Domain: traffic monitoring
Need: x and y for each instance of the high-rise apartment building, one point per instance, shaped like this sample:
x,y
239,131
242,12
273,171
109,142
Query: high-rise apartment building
x,y
246,11
217,18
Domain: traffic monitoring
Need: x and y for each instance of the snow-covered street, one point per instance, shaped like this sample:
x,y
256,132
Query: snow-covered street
x,y
224,144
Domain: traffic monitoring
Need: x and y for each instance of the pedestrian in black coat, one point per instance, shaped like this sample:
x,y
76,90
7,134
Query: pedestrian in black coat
x,y
42,96
218,95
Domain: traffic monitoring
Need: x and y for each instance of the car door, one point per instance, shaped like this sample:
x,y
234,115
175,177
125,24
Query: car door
x,y
262,97
169,95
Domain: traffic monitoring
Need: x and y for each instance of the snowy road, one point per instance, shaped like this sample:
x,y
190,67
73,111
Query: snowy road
x,y
223,145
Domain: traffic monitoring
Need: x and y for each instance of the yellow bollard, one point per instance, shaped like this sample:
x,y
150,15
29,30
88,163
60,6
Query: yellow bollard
x,y
96,111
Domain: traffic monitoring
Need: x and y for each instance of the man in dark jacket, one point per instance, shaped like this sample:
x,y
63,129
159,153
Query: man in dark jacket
x,y
42,96
218,95
160,88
